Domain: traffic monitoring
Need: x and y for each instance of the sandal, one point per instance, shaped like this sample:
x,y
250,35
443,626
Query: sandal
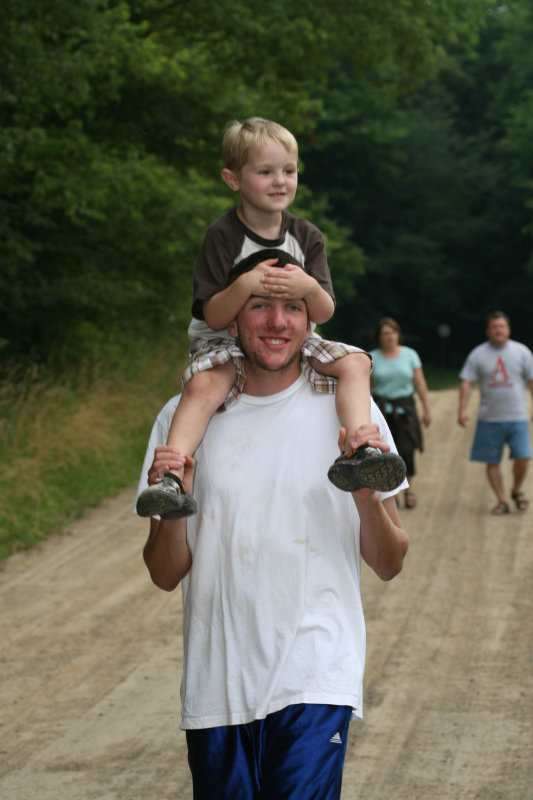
x,y
500,509
410,499
520,501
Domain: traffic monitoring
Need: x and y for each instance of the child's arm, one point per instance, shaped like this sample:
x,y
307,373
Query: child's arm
x,y
292,281
224,306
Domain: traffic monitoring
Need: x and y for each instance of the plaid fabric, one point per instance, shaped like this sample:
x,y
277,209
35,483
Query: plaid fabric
x,y
325,352
206,354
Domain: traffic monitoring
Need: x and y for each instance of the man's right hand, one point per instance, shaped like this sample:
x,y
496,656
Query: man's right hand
x,y
169,459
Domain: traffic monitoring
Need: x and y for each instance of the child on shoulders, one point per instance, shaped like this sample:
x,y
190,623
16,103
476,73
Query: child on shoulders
x,y
259,248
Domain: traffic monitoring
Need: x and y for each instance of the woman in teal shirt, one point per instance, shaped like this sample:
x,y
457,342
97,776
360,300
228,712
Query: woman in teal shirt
x,y
396,375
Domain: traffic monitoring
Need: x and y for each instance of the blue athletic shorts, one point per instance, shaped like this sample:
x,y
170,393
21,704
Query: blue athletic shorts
x,y
490,438
294,754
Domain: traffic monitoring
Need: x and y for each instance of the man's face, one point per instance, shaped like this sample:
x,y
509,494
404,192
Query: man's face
x,y
271,333
498,331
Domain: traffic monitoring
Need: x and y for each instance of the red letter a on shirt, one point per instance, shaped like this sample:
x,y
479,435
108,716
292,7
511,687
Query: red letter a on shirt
x,y
499,373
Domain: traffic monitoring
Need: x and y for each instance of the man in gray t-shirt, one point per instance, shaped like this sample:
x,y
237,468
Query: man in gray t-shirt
x,y
503,368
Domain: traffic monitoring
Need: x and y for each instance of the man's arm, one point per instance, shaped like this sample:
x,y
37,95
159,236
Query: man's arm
x,y
464,395
383,540
166,552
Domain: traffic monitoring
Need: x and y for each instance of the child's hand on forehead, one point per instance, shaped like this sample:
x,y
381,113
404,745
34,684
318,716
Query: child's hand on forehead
x,y
288,281
256,276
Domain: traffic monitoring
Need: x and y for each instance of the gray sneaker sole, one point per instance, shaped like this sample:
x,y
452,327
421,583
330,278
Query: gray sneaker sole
x,y
383,473
153,503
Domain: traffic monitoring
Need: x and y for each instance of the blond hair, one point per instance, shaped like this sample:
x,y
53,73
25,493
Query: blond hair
x,y
241,137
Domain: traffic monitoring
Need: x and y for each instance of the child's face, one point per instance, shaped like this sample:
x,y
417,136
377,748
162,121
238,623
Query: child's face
x,y
269,178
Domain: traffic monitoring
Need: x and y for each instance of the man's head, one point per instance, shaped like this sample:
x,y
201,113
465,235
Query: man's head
x,y
498,328
253,134
271,333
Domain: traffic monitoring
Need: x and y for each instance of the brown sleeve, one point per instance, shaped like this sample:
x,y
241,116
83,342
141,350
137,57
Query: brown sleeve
x,y
214,263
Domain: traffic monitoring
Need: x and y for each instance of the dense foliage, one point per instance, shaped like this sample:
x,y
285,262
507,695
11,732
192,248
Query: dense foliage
x,y
416,142
436,186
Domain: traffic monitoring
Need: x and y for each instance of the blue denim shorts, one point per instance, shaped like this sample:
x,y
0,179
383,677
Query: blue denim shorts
x,y
491,437
293,754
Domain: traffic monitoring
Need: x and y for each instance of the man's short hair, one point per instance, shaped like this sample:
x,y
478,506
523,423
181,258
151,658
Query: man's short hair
x,y
241,137
497,315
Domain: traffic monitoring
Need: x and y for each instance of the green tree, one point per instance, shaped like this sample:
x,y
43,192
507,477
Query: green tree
x,y
435,186
110,122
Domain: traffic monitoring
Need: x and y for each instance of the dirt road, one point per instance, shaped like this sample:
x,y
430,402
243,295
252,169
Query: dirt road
x,y
90,655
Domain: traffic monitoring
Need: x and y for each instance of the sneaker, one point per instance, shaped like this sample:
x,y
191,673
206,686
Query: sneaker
x,y
367,468
167,498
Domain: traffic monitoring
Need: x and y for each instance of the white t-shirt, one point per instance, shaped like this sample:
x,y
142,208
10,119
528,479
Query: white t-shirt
x,y
502,373
272,603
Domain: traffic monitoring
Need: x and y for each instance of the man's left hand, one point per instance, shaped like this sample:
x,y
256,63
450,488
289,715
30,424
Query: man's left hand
x,y
365,434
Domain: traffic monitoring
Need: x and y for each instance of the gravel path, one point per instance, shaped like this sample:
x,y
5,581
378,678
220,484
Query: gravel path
x,y
91,651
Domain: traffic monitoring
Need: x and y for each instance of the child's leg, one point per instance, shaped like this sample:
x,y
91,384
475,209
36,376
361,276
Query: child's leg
x,y
352,398
368,467
201,397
